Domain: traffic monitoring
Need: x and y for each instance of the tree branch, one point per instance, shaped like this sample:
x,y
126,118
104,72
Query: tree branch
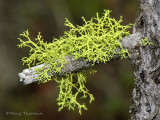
x,y
28,76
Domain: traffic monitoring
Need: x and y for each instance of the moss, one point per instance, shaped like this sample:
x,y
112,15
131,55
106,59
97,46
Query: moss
x,y
95,41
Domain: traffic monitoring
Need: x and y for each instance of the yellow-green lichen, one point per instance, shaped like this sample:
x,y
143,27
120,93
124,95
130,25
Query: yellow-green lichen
x,y
146,42
67,97
95,41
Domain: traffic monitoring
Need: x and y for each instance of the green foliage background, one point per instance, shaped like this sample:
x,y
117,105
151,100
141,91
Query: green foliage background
x,y
111,85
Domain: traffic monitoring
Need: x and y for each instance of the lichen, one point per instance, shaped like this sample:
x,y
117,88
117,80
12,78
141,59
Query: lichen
x,y
67,97
95,41
145,42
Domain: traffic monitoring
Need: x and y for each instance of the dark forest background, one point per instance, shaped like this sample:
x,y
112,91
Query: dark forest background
x,y
111,85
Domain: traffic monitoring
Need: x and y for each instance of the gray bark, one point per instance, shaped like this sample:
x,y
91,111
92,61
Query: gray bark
x,y
146,94
28,76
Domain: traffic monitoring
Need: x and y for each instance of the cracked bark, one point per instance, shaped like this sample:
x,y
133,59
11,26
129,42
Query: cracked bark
x,y
146,93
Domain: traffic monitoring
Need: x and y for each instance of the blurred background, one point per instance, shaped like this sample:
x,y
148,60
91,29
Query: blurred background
x,y
111,86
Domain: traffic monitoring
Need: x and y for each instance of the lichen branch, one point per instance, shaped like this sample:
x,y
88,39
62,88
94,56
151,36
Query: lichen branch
x,y
97,41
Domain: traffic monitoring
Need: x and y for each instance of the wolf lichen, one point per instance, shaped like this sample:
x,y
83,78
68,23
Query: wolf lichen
x,y
146,42
95,41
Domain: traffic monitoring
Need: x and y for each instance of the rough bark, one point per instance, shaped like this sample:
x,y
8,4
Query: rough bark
x,y
28,76
146,94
